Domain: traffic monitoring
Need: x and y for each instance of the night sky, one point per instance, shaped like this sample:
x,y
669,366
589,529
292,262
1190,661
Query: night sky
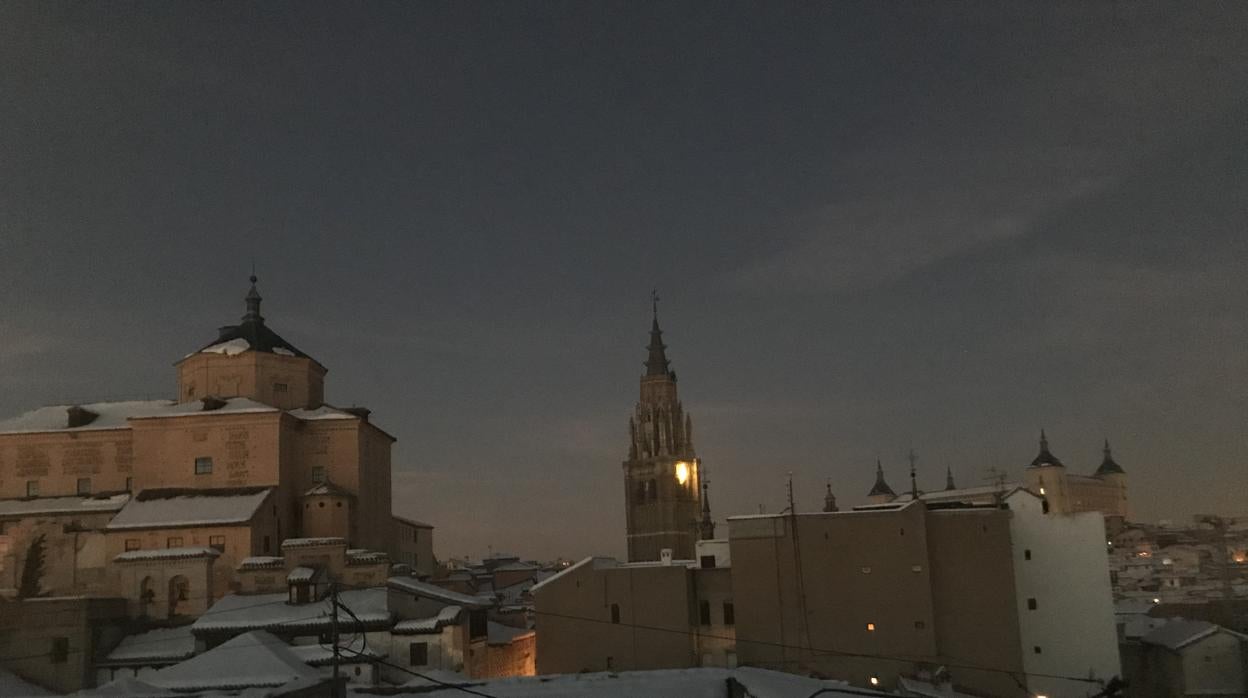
x,y
874,227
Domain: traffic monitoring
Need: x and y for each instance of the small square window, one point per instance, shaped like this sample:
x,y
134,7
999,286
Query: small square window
x,y
708,562
133,544
84,485
32,488
203,465
730,613
1031,604
870,627
217,543
1036,649
318,474
173,542
281,388
919,625
1027,554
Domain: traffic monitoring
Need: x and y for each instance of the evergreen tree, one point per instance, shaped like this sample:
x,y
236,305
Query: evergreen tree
x,y
32,571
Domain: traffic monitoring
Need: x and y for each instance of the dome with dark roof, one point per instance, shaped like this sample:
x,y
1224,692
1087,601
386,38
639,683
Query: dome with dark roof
x,y
252,334
1045,458
1108,465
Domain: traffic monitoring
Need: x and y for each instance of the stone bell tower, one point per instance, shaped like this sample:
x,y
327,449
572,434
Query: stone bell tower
x,y
662,477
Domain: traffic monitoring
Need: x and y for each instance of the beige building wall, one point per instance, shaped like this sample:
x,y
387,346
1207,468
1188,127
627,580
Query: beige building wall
x,y
57,460
287,382
240,541
413,544
31,630
75,552
169,588
651,626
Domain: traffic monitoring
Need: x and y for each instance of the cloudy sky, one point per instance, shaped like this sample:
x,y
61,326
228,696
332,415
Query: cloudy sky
x,y
874,226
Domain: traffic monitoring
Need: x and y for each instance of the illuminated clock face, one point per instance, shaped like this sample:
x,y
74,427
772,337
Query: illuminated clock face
x,y
682,472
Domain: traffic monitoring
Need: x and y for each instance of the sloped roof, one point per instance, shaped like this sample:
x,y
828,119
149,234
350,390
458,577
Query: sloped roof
x,y
116,415
328,489
412,522
416,626
499,634
437,593
163,508
162,644
353,652
1180,633
239,612
166,554
72,505
251,660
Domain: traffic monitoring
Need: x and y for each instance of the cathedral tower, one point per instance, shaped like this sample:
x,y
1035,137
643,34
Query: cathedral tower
x,y
662,478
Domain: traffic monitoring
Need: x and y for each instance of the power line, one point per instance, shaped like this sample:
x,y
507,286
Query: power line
x,y
457,687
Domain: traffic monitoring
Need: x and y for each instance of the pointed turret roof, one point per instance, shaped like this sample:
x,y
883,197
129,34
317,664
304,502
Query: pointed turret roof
x,y
656,362
253,331
829,500
1108,465
1044,457
880,487
949,479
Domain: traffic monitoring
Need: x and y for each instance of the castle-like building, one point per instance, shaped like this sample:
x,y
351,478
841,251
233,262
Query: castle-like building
x,y
664,493
1064,492
247,456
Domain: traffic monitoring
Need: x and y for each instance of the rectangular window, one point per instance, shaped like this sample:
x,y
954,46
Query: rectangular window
x,y
318,474
129,484
708,562
84,485
415,535
1031,604
217,543
280,388
32,488
266,545
704,612
132,544
203,465
60,650
173,542
730,613
418,654
1027,554
1036,649
615,613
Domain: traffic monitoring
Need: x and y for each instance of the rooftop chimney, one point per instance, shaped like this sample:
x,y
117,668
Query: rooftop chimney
x,y
665,556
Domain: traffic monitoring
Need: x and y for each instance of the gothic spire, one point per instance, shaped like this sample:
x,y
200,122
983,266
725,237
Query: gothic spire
x,y
1108,465
253,302
656,363
949,479
880,487
1044,457
914,483
707,525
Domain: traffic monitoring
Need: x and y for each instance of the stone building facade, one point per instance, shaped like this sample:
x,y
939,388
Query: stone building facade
x,y
249,416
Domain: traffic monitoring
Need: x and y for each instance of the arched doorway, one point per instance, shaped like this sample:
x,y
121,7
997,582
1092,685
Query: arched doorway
x,y
179,594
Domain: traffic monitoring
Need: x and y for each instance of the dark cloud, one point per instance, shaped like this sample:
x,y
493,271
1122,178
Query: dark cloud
x,y
876,225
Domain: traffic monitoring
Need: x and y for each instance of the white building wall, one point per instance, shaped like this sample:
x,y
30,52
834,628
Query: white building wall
x,y
1068,576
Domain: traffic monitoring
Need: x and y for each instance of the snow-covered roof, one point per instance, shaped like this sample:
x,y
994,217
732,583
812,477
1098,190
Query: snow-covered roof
x,y
261,562
327,489
499,634
128,687
116,415
301,575
322,412
353,652
444,617
983,492
63,505
412,522
688,683
231,347
310,542
271,611
367,557
164,508
518,567
166,554
160,645
1180,633
568,570
251,660
437,593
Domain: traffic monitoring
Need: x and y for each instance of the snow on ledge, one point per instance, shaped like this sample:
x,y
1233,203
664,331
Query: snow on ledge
x,y
233,347
166,554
